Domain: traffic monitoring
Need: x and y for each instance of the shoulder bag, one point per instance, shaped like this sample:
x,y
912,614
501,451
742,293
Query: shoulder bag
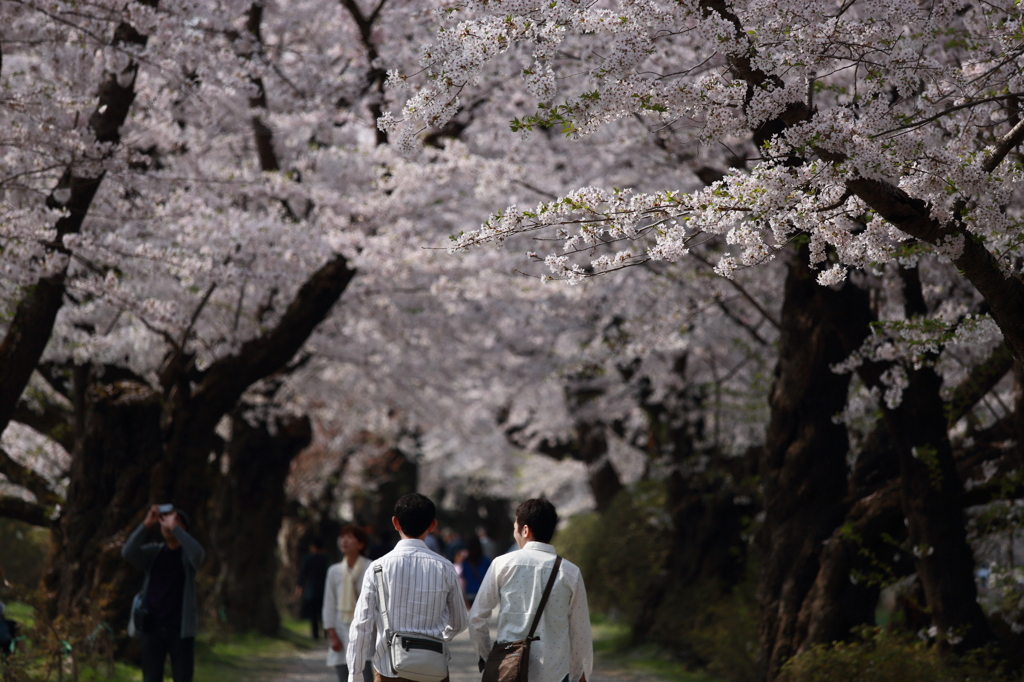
x,y
416,657
510,661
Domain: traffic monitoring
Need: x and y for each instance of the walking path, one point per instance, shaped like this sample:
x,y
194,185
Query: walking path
x,y
309,666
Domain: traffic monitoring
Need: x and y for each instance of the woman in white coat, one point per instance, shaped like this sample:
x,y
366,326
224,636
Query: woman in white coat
x,y
340,594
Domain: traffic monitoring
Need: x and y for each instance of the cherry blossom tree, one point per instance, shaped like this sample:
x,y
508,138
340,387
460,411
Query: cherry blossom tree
x,y
859,128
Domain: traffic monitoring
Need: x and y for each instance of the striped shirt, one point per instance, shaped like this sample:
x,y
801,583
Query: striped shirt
x,y
424,597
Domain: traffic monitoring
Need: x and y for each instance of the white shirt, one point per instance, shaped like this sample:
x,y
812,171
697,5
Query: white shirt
x,y
424,597
515,583
331,616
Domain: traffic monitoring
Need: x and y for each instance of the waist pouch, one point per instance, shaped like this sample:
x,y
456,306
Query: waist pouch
x,y
417,657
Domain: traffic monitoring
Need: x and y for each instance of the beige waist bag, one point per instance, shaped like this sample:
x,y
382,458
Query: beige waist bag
x,y
510,661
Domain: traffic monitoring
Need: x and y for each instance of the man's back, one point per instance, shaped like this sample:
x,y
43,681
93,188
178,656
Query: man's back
x,y
423,597
515,584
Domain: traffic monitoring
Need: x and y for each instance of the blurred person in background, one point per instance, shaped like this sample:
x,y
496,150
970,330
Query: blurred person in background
x,y
487,545
310,587
433,542
452,543
384,544
474,567
341,593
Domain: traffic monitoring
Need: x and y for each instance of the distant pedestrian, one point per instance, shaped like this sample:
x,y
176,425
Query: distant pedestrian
x,y
166,614
383,545
489,546
341,592
310,587
452,543
516,582
422,600
434,543
474,568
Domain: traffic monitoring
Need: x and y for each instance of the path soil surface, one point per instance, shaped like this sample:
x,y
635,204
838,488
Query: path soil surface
x,y
309,666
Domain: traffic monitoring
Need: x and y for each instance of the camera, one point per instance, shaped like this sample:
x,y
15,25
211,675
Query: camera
x,y
165,508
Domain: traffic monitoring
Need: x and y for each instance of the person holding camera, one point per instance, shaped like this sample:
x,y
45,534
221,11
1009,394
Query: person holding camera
x,y
166,614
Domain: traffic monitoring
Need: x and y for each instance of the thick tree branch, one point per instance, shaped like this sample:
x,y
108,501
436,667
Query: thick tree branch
x,y
1005,294
982,379
225,381
23,476
262,133
37,310
53,421
376,76
28,512
1004,146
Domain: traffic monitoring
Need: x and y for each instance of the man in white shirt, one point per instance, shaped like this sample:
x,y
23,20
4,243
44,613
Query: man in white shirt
x,y
515,584
422,588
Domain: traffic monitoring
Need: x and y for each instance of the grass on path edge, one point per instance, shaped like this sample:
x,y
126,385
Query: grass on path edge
x,y
249,657
614,656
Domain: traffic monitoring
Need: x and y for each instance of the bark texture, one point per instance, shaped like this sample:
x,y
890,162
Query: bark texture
x,y
247,508
803,468
118,443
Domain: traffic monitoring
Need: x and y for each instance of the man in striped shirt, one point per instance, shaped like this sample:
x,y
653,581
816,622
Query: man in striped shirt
x,y
422,588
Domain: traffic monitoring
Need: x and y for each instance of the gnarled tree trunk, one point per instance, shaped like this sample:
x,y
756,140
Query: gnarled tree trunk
x,y
118,441
245,517
803,468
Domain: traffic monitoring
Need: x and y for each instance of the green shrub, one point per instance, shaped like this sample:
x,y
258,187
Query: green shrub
x,y
622,555
24,551
621,551
724,634
879,656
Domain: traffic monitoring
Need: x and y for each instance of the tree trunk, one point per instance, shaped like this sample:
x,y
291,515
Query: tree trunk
x,y
803,468
708,520
592,450
118,442
850,574
245,518
931,489
932,495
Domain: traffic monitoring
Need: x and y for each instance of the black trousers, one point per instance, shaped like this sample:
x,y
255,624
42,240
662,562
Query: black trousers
x,y
160,643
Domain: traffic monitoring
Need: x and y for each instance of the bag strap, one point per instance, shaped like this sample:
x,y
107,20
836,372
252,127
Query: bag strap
x,y
544,599
379,579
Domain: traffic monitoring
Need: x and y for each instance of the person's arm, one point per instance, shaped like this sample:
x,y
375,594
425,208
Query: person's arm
x,y
133,550
486,599
194,552
329,612
361,639
581,643
459,619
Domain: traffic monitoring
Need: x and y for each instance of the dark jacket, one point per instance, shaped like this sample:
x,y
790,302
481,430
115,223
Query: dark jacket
x,y
192,556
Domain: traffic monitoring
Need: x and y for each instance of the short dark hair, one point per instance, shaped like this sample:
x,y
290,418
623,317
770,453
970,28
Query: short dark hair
x,y
316,542
540,516
415,513
358,533
183,517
